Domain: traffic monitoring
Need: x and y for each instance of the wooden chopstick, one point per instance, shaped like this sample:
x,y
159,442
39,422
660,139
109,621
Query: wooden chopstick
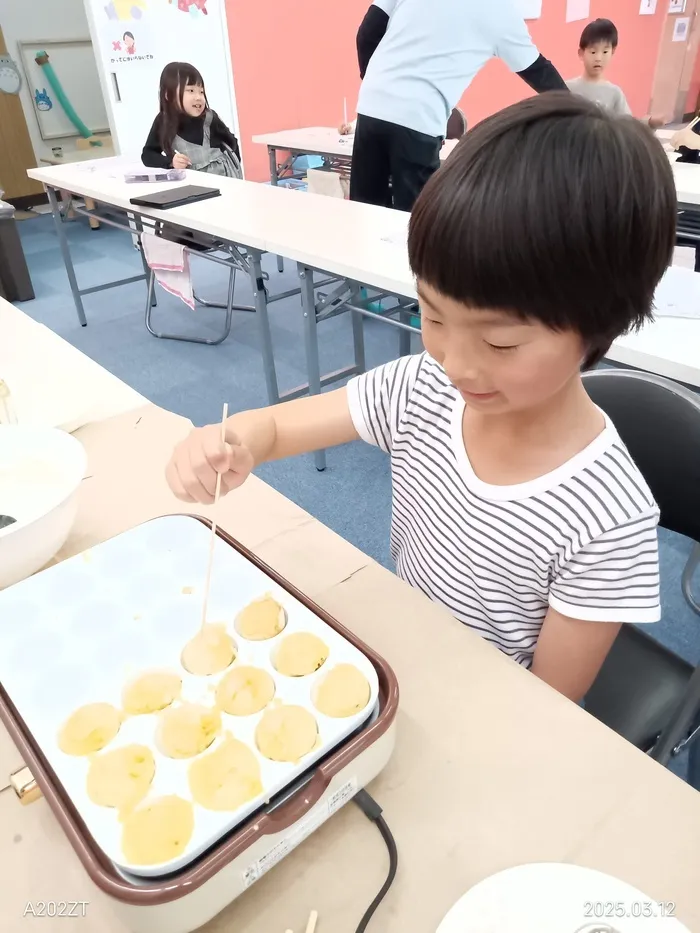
x,y
212,541
311,925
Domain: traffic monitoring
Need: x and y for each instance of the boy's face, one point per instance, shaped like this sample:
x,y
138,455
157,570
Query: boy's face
x,y
596,58
497,362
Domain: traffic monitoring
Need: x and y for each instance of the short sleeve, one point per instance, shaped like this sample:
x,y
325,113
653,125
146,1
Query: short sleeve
x,y
621,105
387,5
613,578
513,43
378,399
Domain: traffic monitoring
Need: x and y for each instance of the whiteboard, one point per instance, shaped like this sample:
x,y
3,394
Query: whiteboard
x,y
74,62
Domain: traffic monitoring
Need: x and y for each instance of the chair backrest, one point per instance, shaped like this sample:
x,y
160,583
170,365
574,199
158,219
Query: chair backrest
x,y
456,125
659,422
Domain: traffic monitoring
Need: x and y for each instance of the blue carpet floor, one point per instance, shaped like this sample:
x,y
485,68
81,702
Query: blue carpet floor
x,y
353,495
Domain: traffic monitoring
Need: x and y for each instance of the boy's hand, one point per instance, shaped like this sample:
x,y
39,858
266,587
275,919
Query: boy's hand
x,y
180,161
656,122
193,467
346,129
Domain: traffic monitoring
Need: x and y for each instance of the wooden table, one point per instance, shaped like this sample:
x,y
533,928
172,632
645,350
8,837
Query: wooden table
x,y
492,767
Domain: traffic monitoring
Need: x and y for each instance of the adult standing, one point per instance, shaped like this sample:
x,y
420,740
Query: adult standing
x,y
416,59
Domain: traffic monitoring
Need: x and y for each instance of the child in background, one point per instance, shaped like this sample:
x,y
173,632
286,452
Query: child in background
x,y
187,133
597,46
515,503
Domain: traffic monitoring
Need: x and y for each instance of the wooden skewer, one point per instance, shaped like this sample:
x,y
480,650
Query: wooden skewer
x,y
345,111
311,925
212,541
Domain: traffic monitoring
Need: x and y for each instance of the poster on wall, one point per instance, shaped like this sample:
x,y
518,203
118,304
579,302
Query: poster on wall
x,y
676,6
577,9
647,8
530,9
129,47
681,29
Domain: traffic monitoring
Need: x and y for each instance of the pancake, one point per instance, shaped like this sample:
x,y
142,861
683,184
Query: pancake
x,y
244,691
187,730
158,831
286,733
89,729
227,778
151,692
121,778
342,692
211,651
300,654
260,620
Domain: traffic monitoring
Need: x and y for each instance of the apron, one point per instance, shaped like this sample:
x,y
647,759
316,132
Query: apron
x,y
206,158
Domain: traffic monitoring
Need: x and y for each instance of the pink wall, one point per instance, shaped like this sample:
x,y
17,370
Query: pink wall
x,y
294,65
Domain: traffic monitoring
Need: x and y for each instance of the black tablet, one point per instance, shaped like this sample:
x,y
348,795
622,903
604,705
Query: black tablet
x,y
176,197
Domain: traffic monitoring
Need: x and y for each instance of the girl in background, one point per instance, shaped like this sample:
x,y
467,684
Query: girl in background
x,y
187,133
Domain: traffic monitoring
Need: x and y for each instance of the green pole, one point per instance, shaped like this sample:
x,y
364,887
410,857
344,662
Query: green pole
x,y
42,59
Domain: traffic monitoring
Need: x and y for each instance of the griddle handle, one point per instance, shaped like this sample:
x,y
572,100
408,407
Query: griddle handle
x,y
297,806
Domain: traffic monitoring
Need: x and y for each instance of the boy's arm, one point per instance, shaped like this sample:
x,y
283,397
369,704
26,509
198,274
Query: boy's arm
x,y
570,652
372,30
292,428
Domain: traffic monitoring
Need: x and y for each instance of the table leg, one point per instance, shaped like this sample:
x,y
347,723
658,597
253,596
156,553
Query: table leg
x,y
405,335
313,366
258,285
93,221
138,225
358,333
65,253
274,181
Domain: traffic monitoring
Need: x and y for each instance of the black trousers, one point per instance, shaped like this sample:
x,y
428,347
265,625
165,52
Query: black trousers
x,y
391,163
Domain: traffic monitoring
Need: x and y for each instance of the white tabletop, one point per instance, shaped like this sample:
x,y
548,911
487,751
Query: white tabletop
x,y
53,384
322,140
360,242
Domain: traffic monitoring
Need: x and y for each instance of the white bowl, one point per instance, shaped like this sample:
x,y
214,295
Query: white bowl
x,y
41,470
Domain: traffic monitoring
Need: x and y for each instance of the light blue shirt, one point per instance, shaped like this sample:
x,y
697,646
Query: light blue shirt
x,y
431,52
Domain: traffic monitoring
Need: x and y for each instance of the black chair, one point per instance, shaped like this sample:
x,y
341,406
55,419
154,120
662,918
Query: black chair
x,y
645,692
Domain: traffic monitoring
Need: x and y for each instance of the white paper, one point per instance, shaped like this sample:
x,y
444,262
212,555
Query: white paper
x,y
676,6
577,9
678,294
647,7
681,29
530,9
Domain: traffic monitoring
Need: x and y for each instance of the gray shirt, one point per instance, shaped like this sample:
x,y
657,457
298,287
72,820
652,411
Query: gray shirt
x,y
606,95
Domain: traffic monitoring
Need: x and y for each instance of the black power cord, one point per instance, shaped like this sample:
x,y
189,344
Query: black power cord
x,y
373,812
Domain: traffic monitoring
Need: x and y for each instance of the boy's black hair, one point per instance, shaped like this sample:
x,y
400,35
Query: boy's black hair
x,y
600,30
554,210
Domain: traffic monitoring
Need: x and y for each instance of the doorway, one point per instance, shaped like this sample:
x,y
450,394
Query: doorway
x,y
675,66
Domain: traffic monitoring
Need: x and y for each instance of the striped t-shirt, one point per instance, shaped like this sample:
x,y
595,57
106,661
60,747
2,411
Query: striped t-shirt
x,y
581,539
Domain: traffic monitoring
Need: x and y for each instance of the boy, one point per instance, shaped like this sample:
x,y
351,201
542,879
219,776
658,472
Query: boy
x,y
515,504
597,46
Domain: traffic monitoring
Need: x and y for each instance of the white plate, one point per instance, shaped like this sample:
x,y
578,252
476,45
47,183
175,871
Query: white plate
x,y
557,898
77,632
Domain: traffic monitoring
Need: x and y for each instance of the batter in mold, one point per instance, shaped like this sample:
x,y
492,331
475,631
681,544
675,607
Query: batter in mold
x,y
187,730
300,654
211,651
151,692
121,778
89,729
244,691
262,619
227,778
157,831
286,733
343,691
